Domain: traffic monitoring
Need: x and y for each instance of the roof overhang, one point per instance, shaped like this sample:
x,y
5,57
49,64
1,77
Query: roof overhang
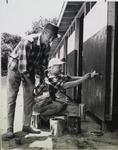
x,y
68,13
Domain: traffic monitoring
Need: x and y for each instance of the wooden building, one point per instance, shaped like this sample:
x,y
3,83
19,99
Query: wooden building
x,y
89,35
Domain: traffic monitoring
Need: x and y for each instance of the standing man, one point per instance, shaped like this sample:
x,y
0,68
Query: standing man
x,y
27,60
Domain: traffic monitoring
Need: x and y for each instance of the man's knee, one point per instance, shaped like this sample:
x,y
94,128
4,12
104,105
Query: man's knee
x,y
58,107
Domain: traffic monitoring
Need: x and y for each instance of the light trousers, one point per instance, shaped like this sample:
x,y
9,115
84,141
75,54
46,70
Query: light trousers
x,y
13,84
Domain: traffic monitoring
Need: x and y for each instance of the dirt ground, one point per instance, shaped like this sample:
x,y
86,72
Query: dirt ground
x,y
88,141
45,141
84,140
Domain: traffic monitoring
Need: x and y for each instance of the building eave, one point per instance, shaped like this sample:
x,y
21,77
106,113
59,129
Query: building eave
x,y
68,13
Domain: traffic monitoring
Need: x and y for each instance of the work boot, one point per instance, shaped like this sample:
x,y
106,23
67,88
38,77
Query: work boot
x,y
8,135
28,129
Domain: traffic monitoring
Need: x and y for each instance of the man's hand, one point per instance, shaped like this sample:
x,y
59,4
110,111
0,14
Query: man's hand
x,y
93,74
87,76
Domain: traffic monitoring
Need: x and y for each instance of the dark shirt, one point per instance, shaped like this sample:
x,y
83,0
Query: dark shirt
x,y
56,90
37,57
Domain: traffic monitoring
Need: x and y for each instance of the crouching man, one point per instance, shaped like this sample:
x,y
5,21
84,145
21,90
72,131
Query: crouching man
x,y
58,83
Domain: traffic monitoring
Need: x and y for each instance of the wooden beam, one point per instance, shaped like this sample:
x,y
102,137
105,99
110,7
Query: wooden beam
x,y
63,28
111,22
72,7
70,11
67,19
74,3
65,23
70,14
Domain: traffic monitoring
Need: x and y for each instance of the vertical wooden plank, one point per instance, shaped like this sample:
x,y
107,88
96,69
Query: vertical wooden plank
x,y
65,53
79,48
77,22
115,80
111,23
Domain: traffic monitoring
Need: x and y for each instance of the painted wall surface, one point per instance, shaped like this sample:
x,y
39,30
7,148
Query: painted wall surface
x,y
71,43
62,52
56,55
95,20
94,58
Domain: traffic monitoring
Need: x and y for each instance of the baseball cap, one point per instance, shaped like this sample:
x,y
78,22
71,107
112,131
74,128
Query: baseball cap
x,y
55,61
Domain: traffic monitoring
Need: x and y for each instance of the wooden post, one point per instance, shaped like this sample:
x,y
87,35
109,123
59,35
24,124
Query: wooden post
x,y
77,48
65,54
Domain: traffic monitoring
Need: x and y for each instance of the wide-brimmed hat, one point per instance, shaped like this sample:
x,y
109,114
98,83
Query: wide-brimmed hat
x,y
55,61
53,29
